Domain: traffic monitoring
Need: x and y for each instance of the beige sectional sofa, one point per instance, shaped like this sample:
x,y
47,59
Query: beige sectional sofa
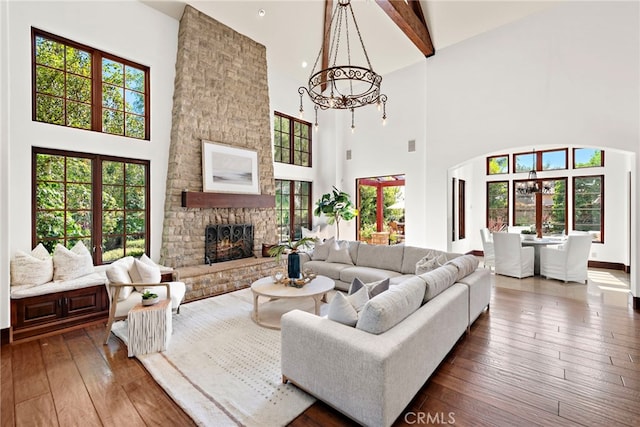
x,y
372,371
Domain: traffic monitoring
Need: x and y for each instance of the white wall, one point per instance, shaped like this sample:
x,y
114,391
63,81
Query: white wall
x,y
547,80
379,150
116,30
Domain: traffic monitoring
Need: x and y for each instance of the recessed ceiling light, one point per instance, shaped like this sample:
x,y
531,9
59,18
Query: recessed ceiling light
x,y
262,12
304,64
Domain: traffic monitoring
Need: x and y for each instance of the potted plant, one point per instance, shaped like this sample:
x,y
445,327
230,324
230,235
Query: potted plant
x,y
529,234
149,298
293,259
336,206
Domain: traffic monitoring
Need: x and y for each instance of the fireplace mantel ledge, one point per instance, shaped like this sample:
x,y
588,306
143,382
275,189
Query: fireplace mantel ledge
x,y
204,269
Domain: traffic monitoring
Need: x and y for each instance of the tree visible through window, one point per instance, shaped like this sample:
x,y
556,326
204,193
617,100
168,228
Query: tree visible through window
x,y
588,211
64,92
101,201
291,140
293,208
497,205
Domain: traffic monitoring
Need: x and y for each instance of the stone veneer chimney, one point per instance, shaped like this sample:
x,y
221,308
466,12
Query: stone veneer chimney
x,y
221,95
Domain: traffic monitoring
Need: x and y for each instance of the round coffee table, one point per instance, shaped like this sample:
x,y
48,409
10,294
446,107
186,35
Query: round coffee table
x,y
265,287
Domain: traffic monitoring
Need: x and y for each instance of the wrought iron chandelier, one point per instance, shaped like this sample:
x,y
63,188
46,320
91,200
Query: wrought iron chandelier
x,y
531,186
349,86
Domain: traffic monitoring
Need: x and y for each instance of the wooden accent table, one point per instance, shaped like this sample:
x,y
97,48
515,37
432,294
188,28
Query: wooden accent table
x,y
265,287
149,327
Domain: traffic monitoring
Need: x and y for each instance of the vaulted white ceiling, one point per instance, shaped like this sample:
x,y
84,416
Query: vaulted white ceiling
x,y
292,30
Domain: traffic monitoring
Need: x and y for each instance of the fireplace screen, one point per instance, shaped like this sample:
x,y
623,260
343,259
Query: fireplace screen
x,y
226,242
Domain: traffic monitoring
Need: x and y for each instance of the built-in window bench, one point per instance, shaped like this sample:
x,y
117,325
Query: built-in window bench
x,y
203,281
41,310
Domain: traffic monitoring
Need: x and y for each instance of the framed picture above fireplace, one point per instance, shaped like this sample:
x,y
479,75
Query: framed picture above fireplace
x,y
227,169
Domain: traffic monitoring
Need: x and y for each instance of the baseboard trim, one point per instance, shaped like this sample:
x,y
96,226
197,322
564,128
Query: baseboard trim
x,y
609,265
4,336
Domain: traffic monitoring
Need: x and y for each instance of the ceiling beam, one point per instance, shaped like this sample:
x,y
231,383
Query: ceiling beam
x,y
328,6
410,22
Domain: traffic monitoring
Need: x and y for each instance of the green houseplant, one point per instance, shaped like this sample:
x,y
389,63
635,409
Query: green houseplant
x,y
336,206
293,260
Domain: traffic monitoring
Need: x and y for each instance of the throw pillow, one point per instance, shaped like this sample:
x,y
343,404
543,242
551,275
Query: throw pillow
x,y
344,309
148,273
119,273
35,268
321,250
71,264
339,253
373,288
429,262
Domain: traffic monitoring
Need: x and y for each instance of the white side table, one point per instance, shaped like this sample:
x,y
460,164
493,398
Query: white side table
x,y
149,328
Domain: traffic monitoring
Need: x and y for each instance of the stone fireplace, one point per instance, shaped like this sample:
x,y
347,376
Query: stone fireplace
x,y
221,95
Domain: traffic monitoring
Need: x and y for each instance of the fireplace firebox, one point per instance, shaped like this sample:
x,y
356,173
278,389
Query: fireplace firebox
x,y
226,242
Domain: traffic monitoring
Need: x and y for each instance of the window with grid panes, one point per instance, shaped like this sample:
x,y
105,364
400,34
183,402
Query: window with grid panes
x,y
588,208
293,208
99,200
291,140
82,87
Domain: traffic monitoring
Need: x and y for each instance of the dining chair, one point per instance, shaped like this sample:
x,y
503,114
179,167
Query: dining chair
x,y
510,257
489,255
569,261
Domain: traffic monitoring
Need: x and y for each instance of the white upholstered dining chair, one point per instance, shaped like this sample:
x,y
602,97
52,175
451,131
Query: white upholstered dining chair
x,y
511,258
489,255
569,261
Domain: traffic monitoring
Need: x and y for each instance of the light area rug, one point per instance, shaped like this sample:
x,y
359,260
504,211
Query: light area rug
x,y
222,368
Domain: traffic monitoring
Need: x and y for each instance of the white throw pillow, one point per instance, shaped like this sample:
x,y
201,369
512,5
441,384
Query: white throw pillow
x,y
429,263
339,253
119,273
71,264
344,309
148,273
35,268
321,250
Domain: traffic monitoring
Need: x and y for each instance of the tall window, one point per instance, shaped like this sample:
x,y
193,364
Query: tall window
x,y
588,210
99,200
497,205
293,208
82,87
546,210
291,140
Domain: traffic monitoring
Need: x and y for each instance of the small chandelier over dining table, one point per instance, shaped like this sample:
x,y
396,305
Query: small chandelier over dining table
x,y
531,186
339,80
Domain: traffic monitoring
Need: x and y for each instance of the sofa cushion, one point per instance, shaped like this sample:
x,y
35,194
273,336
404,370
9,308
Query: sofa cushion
x,y
34,268
344,309
381,256
430,262
386,310
321,250
373,288
329,269
465,264
71,264
366,274
438,280
339,252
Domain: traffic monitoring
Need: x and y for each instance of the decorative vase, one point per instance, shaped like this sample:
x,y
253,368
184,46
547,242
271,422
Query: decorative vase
x,y
293,265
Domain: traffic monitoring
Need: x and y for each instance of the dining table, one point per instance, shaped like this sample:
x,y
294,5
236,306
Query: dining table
x,y
537,243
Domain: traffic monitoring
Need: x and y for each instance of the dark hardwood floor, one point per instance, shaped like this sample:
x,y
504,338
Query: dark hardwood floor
x,y
533,359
